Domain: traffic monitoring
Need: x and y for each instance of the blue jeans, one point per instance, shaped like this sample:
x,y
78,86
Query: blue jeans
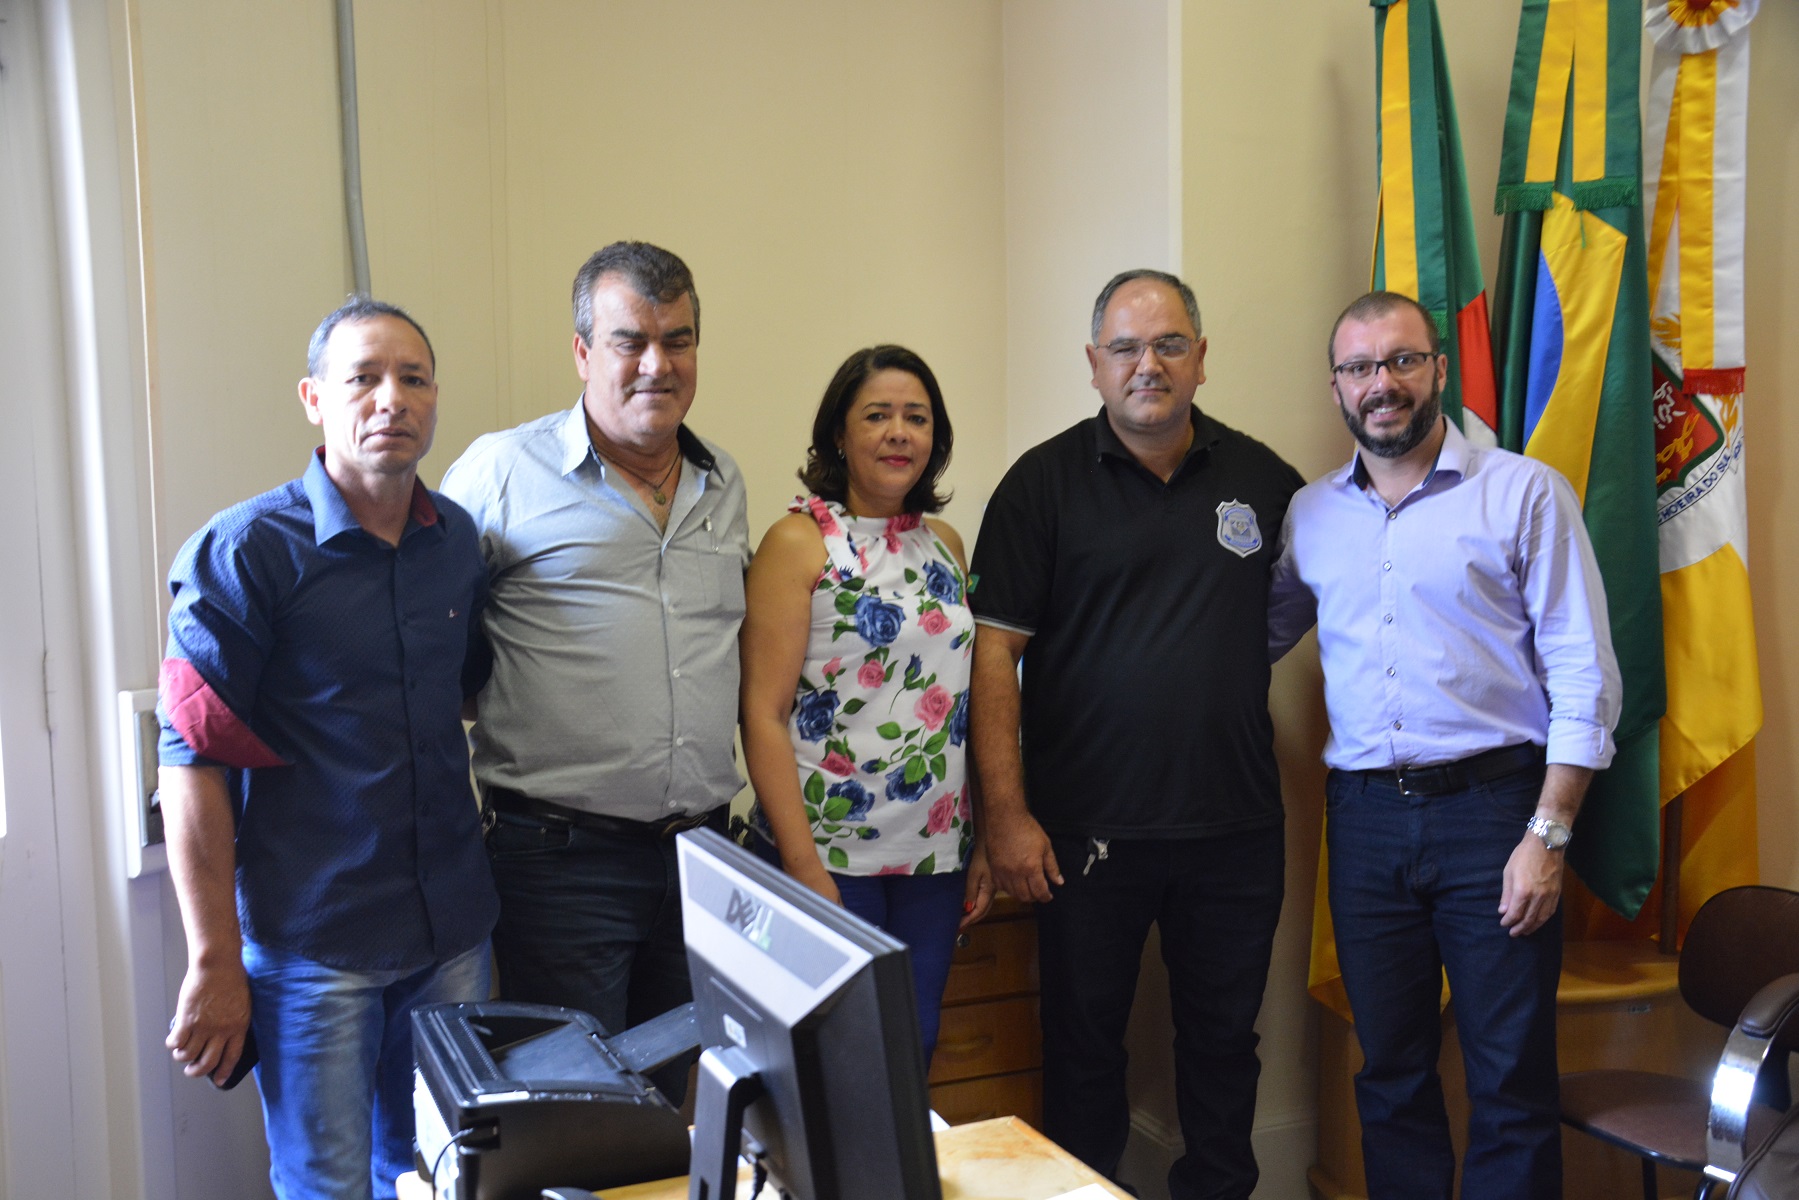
x,y
1216,902
922,911
1414,892
591,920
336,1066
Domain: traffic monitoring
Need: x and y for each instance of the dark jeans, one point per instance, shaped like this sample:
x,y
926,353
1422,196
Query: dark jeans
x,y
921,911
1414,892
1216,902
590,920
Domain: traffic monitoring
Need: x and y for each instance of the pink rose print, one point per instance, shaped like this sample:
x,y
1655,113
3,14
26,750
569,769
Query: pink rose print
x,y
871,674
941,812
833,667
896,870
904,523
934,706
962,809
933,622
827,521
836,764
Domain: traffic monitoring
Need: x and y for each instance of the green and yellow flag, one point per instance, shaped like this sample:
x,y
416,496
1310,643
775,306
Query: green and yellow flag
x,y
1571,124
1571,332
1424,239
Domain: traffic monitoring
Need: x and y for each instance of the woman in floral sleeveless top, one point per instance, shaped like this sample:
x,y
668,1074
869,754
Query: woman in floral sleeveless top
x,y
857,642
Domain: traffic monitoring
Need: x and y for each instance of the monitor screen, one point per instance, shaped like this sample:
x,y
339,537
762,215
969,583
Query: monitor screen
x,y
810,1027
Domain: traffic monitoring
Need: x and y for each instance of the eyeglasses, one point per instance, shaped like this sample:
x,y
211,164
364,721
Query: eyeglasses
x,y
1363,370
1170,347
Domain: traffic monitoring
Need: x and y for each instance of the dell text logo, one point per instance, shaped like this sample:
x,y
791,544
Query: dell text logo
x,y
748,918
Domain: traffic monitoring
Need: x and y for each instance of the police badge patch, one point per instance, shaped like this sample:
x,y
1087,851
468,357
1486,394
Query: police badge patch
x,y
1237,528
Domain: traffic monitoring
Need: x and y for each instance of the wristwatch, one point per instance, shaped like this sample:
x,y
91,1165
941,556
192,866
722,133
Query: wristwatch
x,y
1555,835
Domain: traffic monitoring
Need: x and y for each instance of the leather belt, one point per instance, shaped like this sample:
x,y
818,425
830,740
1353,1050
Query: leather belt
x,y
506,800
1462,774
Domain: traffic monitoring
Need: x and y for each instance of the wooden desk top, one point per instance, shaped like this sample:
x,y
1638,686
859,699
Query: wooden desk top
x,y
1001,1159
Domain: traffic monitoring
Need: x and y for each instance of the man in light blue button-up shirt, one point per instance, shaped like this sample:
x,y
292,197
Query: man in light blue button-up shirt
x,y
616,541
1472,693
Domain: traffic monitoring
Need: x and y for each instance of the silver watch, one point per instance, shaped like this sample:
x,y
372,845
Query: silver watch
x,y
1555,835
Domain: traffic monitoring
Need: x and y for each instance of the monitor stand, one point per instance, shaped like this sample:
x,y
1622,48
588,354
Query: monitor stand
x,y
728,1082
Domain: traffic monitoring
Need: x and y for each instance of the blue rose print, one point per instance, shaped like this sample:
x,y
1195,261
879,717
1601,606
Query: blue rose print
x,y
958,721
910,793
942,582
817,714
860,798
878,622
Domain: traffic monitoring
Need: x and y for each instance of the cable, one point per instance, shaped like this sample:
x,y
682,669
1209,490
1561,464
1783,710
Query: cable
x,y
350,126
455,1140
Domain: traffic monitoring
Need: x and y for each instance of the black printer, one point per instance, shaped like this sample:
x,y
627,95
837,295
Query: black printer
x,y
512,1098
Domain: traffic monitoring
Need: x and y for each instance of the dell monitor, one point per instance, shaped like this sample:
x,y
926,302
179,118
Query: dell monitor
x,y
812,1066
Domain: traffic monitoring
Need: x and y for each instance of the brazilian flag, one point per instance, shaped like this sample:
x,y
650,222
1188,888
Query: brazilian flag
x,y
1571,336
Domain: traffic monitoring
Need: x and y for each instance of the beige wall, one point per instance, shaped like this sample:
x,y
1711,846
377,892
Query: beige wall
x,y
245,242
832,174
827,197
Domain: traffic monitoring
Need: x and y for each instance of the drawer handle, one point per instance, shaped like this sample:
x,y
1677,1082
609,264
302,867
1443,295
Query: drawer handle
x,y
973,1045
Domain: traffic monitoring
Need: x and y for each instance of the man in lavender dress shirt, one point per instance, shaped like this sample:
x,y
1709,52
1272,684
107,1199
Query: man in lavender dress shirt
x,y
1472,692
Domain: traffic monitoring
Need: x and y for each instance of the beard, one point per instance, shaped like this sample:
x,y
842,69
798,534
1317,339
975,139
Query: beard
x,y
1424,419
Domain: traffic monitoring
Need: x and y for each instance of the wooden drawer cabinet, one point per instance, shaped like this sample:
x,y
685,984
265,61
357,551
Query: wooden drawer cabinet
x,y
989,1046
1019,1094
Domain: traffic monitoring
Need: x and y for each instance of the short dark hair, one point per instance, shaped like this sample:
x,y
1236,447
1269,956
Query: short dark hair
x,y
827,475
1163,277
1375,305
653,273
357,308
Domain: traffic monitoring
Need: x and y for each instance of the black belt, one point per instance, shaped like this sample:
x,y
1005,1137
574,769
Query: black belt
x,y
506,800
1460,775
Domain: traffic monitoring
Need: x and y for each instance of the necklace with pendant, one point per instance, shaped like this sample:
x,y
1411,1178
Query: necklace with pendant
x,y
656,492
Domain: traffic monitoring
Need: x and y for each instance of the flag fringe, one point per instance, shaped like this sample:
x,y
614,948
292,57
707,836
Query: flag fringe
x,y
1524,197
1606,193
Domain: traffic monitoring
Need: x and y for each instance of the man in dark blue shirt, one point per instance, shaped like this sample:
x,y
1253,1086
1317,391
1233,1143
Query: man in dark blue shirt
x,y
324,843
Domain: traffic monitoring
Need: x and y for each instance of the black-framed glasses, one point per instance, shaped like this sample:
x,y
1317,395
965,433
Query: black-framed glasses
x,y
1405,363
1169,347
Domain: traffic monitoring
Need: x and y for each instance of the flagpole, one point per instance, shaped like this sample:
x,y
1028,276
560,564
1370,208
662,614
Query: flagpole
x,y
1669,938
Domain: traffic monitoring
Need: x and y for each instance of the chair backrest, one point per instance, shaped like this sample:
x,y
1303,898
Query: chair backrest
x,y
1740,940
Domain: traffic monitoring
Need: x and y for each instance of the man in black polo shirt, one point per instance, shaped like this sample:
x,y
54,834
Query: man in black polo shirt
x,y
1125,562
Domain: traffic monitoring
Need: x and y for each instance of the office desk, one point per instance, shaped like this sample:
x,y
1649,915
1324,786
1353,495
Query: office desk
x,y
1001,1159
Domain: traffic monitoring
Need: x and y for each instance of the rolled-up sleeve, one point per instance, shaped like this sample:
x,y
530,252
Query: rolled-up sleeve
x,y
219,638
1565,599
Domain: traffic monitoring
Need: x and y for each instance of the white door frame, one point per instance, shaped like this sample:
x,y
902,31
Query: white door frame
x,y
37,1092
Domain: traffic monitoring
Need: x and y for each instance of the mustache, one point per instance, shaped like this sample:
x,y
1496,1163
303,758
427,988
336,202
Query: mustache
x,y
1371,402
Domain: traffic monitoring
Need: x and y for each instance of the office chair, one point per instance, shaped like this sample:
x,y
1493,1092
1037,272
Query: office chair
x,y
1771,1172
1739,968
